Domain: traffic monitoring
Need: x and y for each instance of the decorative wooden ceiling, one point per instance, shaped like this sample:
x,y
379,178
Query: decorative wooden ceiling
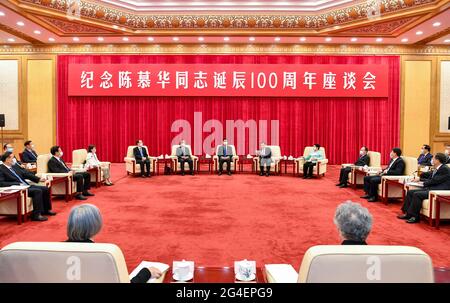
x,y
210,21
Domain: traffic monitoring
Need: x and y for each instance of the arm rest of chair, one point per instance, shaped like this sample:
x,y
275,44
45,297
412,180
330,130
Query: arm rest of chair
x,y
346,165
445,193
105,163
394,178
195,158
78,169
129,159
54,175
77,166
323,161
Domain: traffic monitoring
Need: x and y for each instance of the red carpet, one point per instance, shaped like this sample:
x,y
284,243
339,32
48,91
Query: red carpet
x,y
215,220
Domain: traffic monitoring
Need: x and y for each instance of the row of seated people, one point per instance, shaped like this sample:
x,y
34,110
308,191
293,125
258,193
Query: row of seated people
x,y
225,156
320,263
15,173
435,178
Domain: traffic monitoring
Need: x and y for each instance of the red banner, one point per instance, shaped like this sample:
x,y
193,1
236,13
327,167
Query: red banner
x,y
271,80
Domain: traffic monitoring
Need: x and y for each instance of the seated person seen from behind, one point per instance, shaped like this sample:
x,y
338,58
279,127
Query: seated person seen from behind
x,y
85,222
141,156
425,156
184,156
363,160
93,162
396,167
354,223
29,155
311,161
82,178
438,179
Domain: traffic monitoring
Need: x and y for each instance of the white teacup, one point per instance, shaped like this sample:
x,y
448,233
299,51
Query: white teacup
x,y
182,270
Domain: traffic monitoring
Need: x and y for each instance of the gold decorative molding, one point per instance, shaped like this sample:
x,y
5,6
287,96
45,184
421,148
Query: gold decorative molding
x,y
226,49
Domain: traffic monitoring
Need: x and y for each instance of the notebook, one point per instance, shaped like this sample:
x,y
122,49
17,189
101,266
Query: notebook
x,y
161,266
281,273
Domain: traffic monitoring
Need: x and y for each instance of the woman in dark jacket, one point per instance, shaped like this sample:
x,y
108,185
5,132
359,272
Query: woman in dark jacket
x,y
85,221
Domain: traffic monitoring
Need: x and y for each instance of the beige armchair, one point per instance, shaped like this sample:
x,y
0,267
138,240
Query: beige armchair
x,y
320,169
62,262
62,183
79,159
10,206
356,176
130,162
176,164
365,264
234,159
276,159
387,192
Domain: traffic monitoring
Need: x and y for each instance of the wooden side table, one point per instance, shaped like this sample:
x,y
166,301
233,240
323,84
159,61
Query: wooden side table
x,y
164,161
205,161
440,199
215,275
243,160
286,163
391,183
4,196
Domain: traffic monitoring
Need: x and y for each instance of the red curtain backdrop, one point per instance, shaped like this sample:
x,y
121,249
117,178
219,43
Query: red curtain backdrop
x,y
341,125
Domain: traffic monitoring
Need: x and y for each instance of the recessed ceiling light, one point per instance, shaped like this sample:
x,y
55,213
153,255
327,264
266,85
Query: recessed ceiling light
x,y
379,39
20,23
11,40
302,39
436,24
76,39
447,41
2,14
277,39
37,32
51,39
419,33
150,39
354,39
405,40
226,39
175,38
251,38
100,39
201,38
125,39
328,39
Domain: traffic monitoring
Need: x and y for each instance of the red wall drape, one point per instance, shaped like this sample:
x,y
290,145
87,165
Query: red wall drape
x,y
341,125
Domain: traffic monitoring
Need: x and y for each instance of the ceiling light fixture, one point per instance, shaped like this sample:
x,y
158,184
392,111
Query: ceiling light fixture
x,y
37,32
436,24
419,33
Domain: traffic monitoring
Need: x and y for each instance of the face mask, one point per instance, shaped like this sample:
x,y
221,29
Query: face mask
x,y
61,154
422,151
432,161
32,146
140,144
225,143
183,144
361,152
14,161
447,152
10,149
392,155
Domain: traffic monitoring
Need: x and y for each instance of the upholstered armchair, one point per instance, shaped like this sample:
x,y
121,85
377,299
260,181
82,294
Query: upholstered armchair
x,y
349,264
174,158
62,183
356,176
387,192
9,207
276,158
130,162
234,158
78,160
320,169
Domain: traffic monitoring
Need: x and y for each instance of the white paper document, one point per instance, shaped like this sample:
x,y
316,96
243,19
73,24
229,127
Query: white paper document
x,y
416,184
281,273
161,266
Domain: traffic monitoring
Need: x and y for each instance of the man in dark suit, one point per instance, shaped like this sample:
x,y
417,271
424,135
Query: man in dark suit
x,y
363,160
11,174
396,168
425,156
141,156
225,154
28,154
83,179
7,147
438,179
447,155
184,156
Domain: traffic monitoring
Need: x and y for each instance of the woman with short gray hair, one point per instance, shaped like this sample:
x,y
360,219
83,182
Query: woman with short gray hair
x,y
354,223
85,221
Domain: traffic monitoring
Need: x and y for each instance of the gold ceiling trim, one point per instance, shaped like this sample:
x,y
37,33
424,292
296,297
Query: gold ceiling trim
x,y
102,15
140,49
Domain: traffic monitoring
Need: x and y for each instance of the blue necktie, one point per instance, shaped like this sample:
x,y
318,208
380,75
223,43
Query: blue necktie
x,y
140,150
225,151
18,177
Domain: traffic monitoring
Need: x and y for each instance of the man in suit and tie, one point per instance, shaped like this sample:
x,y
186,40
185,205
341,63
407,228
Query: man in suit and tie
x,y
141,156
265,159
9,148
83,179
28,154
184,156
438,179
425,156
396,168
11,174
225,154
363,160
